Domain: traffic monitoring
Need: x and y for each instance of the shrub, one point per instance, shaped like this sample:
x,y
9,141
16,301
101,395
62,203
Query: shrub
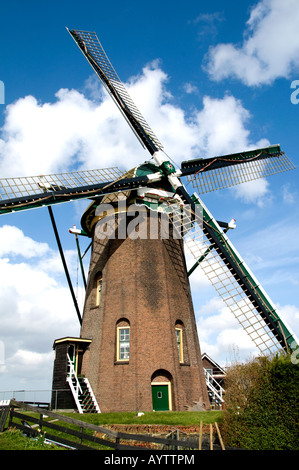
x,y
262,405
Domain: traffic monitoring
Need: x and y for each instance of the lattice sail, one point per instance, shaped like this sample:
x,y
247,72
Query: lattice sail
x,y
229,173
26,186
246,300
92,49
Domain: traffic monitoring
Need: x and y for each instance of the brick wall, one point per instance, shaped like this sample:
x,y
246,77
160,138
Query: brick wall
x,y
145,283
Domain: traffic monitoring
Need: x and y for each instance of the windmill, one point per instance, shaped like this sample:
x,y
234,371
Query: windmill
x,y
138,345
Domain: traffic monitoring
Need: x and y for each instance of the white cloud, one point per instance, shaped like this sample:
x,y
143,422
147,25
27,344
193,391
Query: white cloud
x,y
35,308
221,336
190,89
254,192
14,242
220,333
77,132
221,126
208,24
270,47
291,315
30,359
289,195
28,371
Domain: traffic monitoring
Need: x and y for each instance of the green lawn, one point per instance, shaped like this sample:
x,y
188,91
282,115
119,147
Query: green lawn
x,y
172,418
13,439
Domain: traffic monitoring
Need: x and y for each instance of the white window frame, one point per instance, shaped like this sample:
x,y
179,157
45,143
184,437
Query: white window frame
x,y
119,341
179,340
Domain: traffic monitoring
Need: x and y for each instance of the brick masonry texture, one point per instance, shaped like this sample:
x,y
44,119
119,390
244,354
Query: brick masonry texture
x,y
144,284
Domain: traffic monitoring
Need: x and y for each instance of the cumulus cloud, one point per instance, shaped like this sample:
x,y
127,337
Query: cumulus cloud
x,y
291,315
221,335
289,195
224,339
14,242
222,126
35,308
270,47
254,192
77,132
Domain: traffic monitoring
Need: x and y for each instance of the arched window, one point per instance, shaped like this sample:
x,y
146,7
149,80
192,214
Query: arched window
x,y
98,288
123,340
179,330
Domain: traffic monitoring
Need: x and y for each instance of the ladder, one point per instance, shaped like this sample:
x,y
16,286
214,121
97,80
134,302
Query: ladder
x,y
82,392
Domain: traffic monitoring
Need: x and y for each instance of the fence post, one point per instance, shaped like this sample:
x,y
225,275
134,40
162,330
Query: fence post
x,y
211,437
12,408
4,410
40,422
219,436
200,436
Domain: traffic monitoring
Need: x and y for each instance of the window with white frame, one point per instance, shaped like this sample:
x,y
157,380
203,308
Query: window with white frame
x,y
123,343
179,339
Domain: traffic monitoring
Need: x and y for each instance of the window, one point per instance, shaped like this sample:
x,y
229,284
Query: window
x,y
99,285
179,339
123,343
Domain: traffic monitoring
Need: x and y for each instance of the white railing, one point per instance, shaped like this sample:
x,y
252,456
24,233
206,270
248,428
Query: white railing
x,y
214,386
92,395
75,387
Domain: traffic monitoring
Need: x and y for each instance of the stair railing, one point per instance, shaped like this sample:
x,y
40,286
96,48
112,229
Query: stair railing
x,y
214,386
92,395
74,386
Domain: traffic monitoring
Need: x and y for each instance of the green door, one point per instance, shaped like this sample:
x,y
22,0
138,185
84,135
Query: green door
x,y
160,397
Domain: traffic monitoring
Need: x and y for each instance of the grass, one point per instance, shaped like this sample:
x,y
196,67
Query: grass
x,y
171,418
14,440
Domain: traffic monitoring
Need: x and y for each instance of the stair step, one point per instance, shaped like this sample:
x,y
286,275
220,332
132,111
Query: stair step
x,y
82,393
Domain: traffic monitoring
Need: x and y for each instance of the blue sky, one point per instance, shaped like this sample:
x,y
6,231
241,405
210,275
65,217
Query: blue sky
x,y
210,78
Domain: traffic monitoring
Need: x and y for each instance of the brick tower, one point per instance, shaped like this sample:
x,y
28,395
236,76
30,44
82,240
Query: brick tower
x,y
144,352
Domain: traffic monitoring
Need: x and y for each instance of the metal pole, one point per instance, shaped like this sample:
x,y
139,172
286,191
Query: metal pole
x,y
64,263
80,259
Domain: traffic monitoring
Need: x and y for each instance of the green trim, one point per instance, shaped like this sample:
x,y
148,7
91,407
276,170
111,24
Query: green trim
x,y
147,169
167,168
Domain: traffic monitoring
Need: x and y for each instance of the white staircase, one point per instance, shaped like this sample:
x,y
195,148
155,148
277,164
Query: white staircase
x,y
82,391
215,390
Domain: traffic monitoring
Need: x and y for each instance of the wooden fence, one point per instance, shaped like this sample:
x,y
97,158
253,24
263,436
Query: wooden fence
x,y
4,410
77,434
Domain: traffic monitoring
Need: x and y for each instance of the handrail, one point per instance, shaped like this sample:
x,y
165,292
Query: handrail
x,y
74,388
209,381
92,395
